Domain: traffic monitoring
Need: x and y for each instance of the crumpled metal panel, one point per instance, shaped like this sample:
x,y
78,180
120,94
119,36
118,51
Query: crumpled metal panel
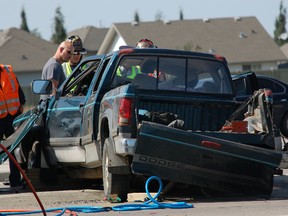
x,y
65,118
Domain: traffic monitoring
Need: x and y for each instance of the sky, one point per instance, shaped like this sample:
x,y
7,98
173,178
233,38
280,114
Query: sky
x,y
40,13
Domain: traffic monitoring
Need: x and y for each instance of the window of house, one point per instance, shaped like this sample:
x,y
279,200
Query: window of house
x,y
256,66
250,67
246,67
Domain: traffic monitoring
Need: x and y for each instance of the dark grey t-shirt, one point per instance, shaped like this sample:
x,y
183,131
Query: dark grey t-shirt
x,y
53,70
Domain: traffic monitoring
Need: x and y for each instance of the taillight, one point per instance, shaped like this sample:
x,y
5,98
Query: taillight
x,y
125,111
210,144
126,50
221,58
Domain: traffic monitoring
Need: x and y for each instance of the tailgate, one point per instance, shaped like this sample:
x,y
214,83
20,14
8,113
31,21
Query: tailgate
x,y
203,160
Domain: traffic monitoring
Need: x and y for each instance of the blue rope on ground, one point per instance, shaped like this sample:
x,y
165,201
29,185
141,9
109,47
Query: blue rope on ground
x,y
156,204
150,204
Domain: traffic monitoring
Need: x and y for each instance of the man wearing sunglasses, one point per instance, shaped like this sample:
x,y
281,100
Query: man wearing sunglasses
x,y
79,51
53,70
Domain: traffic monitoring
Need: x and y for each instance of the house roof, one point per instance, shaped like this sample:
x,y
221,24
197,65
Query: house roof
x,y
24,51
91,36
284,49
240,40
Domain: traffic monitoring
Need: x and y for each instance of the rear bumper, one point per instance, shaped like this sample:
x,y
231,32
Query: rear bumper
x,y
125,146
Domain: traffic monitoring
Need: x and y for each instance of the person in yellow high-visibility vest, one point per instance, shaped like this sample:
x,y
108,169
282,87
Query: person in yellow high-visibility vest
x,y
146,43
128,73
77,56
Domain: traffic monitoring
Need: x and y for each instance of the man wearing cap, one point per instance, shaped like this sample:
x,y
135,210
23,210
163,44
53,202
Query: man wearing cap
x,y
79,51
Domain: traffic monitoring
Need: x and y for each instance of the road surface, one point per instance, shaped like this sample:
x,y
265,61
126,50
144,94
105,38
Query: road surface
x,y
205,204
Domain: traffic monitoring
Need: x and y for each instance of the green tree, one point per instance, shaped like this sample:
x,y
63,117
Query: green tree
x,y
181,16
36,33
136,17
24,25
59,33
280,35
159,16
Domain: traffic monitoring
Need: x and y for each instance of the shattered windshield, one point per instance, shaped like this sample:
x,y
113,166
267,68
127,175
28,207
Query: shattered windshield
x,y
175,74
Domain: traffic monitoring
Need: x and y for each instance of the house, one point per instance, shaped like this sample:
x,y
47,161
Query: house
x,y
242,40
284,49
27,54
91,36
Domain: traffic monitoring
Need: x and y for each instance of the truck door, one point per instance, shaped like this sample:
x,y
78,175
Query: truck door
x,y
91,109
65,119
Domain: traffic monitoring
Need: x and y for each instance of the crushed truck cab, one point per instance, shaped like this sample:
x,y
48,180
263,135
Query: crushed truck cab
x,y
168,106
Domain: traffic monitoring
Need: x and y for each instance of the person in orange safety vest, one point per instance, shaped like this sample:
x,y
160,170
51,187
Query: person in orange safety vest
x,y
12,100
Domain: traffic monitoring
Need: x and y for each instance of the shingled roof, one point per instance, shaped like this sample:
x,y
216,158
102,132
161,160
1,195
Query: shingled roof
x,y
284,49
91,36
240,40
24,51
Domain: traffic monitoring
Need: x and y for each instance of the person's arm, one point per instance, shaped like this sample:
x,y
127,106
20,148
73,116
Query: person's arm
x,y
53,73
54,86
22,98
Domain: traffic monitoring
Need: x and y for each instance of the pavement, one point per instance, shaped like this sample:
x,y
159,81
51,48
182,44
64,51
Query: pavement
x,y
208,205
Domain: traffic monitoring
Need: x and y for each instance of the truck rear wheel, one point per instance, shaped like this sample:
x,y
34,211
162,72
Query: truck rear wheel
x,y
115,185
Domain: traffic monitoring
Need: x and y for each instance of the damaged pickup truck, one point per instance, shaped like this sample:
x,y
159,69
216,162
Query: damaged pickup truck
x,y
147,112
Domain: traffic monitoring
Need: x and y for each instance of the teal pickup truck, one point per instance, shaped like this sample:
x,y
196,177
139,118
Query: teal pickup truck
x,y
151,112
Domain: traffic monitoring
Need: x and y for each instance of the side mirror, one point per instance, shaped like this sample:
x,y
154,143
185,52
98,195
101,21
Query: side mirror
x,y
43,87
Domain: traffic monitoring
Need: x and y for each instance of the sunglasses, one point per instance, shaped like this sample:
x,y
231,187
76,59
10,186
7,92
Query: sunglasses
x,y
77,53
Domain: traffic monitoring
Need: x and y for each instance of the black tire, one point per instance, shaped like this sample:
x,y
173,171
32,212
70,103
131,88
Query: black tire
x,y
115,185
284,125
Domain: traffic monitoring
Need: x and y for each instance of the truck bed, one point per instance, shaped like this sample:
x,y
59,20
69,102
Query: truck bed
x,y
198,113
